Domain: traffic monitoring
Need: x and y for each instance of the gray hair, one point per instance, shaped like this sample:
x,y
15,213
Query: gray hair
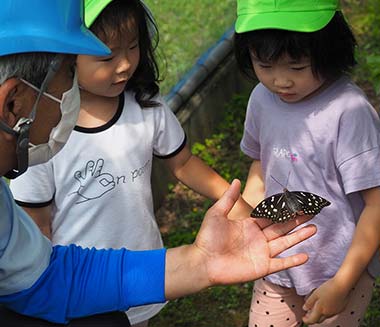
x,y
31,66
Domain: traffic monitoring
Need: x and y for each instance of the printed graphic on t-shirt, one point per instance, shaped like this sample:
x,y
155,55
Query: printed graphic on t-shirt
x,y
285,154
94,181
136,173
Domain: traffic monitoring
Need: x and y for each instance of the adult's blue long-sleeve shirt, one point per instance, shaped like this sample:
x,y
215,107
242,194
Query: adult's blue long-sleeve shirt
x,y
65,282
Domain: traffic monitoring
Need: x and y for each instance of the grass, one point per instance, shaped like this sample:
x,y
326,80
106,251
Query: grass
x,y
181,215
187,28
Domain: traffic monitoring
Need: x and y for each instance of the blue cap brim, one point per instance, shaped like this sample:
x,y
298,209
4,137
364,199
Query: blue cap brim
x,y
81,42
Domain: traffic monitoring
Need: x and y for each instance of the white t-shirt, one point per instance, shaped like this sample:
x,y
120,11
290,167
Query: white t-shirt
x,y
100,182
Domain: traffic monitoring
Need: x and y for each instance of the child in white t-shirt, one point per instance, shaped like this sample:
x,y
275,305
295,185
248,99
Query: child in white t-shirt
x,y
97,191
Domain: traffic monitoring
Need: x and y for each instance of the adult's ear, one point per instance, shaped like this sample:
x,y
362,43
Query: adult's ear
x,y
13,101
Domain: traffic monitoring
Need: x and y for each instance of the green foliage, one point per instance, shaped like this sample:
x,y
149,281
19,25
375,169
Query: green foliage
x,y
188,226
372,317
188,28
170,187
363,16
372,68
221,150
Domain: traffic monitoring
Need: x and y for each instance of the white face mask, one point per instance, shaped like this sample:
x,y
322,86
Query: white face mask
x,y
69,106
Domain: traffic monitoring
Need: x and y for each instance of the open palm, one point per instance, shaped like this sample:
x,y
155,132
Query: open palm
x,y
240,250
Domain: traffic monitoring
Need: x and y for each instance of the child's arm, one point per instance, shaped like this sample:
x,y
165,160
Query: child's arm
x,y
42,217
332,296
195,174
254,191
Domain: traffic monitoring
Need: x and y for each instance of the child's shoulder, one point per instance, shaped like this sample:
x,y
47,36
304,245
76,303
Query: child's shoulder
x,y
260,94
349,102
349,96
344,88
260,90
130,97
159,109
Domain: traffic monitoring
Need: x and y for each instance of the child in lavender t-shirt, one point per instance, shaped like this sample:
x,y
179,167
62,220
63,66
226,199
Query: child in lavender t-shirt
x,y
308,121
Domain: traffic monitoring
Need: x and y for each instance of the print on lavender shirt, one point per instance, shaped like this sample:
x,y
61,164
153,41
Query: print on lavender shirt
x,y
283,153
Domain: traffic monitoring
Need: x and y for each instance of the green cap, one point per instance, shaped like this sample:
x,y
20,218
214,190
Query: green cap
x,y
292,15
92,9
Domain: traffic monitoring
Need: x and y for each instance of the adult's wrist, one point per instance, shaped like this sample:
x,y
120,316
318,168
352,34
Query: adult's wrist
x,y
186,271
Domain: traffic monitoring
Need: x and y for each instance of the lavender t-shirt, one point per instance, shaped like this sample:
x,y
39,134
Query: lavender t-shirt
x,y
328,145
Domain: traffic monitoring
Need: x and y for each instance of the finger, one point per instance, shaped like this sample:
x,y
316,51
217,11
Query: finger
x,y
309,303
309,319
98,167
106,180
283,243
89,167
278,264
262,222
274,231
322,319
78,175
313,316
228,199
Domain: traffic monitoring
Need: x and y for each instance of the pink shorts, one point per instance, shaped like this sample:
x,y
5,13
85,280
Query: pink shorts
x,y
276,306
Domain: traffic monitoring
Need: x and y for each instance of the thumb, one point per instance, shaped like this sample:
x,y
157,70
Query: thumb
x,y
228,199
310,301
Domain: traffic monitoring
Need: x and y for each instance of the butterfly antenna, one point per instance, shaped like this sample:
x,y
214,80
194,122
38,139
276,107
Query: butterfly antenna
x,y
287,179
277,181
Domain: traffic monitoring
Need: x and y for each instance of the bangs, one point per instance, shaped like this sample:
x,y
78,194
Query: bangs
x,y
110,30
270,45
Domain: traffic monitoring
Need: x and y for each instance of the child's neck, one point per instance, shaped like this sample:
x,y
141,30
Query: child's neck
x,y
326,84
95,110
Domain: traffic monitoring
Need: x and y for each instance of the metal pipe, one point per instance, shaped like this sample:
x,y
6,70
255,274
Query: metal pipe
x,y
204,66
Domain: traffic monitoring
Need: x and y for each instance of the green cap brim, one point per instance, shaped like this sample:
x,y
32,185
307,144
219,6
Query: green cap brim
x,y
292,21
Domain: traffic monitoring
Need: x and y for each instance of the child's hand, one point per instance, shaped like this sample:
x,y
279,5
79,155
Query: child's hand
x,y
324,302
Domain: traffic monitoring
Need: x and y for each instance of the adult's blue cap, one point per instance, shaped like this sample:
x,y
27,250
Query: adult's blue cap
x,y
46,26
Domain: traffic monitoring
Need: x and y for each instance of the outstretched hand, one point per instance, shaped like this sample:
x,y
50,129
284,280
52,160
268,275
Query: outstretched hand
x,y
232,251
239,251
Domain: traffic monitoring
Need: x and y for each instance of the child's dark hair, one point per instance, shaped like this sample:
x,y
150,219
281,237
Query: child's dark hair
x,y
331,49
113,22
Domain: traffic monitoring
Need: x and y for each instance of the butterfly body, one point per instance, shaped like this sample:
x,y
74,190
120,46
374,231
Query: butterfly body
x,y
292,203
284,206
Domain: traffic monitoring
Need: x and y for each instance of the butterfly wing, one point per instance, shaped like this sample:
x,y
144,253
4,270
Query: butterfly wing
x,y
311,203
273,208
282,207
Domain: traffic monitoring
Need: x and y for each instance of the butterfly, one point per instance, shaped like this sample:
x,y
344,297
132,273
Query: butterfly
x,y
284,206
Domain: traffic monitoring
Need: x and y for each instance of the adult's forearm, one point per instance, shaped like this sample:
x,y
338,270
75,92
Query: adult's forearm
x,y
82,282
